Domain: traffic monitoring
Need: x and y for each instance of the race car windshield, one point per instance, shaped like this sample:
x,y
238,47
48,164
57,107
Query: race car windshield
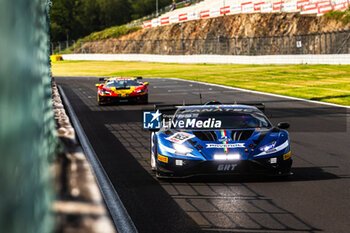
x,y
219,120
122,83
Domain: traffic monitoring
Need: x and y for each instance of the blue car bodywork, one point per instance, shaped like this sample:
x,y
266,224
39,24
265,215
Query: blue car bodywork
x,y
238,149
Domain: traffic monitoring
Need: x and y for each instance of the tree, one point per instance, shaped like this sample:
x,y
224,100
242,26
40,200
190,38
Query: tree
x,y
115,12
64,23
73,19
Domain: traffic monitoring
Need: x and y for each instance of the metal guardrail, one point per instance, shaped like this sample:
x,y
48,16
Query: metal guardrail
x,y
336,42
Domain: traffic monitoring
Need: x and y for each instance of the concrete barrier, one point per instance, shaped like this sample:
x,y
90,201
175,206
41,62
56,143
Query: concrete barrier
x,y
341,59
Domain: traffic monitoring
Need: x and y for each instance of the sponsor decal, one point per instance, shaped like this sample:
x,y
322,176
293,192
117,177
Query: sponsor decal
x,y
227,167
225,139
151,120
222,146
180,137
287,156
162,158
224,136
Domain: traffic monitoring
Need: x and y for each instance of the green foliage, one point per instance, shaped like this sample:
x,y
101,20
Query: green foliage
x,y
141,8
73,19
343,16
113,32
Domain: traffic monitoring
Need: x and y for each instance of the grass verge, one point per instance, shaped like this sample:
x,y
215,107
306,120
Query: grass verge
x,y
328,83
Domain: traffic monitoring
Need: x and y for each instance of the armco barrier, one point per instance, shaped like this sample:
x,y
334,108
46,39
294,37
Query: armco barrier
x,y
225,10
257,6
205,14
216,59
318,7
277,6
310,8
290,7
340,6
147,24
164,21
183,17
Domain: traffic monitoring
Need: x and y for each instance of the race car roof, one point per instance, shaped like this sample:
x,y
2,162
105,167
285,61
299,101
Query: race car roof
x,y
232,106
223,106
172,108
122,78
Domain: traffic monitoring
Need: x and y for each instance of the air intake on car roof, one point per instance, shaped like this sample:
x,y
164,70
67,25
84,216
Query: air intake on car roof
x,y
241,135
206,135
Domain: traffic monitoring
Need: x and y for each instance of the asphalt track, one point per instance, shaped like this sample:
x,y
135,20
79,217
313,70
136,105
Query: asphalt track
x,y
315,199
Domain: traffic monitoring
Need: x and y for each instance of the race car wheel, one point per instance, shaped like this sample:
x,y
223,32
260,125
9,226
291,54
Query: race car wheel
x,y
98,100
145,99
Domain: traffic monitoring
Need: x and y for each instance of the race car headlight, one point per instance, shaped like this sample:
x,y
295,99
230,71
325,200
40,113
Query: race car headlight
x,y
227,156
140,91
268,147
181,149
105,92
178,149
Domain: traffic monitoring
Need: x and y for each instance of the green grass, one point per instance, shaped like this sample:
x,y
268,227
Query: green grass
x,y
112,32
343,16
328,83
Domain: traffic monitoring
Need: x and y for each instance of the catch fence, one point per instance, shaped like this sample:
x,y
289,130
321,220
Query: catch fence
x,y
28,138
336,42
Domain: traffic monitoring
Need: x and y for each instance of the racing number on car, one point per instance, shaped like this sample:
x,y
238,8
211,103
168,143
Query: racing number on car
x,y
180,137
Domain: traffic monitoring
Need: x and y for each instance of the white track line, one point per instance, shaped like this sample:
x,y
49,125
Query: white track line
x,y
263,93
243,90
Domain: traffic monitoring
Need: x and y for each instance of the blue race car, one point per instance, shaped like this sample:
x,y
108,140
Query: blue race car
x,y
219,139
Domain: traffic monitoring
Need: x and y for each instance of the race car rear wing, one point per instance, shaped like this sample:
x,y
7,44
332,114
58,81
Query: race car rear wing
x,y
102,80
171,109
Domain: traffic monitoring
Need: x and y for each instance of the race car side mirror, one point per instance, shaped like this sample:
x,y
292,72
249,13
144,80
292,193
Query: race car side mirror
x,y
283,125
97,85
146,83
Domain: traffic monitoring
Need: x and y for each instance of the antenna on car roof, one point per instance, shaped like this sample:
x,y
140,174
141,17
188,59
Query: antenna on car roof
x,y
200,92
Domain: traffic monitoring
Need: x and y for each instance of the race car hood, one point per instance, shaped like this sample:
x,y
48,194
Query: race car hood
x,y
247,143
123,91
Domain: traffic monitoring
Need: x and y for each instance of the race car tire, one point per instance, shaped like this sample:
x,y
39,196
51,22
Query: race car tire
x,y
145,99
98,100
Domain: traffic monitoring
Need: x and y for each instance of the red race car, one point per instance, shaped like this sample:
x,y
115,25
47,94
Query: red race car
x,y
120,89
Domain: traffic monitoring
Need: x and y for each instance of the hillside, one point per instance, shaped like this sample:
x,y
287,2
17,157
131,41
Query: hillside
x,y
244,25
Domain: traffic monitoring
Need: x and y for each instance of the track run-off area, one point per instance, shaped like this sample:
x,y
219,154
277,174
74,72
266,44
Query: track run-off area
x,y
315,199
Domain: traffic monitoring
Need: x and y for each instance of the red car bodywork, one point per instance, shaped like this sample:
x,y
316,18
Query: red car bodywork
x,y
113,91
